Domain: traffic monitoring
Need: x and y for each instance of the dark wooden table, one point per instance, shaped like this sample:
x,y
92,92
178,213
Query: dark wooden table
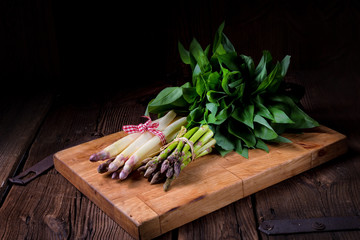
x,y
34,126
46,42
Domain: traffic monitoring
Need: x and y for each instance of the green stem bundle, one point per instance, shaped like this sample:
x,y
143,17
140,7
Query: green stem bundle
x,y
168,164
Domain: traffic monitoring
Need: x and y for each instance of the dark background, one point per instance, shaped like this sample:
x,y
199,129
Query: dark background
x,y
75,70
92,48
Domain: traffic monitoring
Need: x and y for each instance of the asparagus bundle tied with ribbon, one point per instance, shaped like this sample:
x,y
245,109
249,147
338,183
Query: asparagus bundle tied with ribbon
x,y
143,141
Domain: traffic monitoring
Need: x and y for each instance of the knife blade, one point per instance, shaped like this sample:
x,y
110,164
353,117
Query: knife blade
x,y
45,164
34,171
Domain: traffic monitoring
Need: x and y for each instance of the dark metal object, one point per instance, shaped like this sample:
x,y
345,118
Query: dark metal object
x,y
289,226
44,165
34,171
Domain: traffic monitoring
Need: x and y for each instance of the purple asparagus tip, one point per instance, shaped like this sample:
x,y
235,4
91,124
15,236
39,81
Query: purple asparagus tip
x,y
115,175
123,175
94,158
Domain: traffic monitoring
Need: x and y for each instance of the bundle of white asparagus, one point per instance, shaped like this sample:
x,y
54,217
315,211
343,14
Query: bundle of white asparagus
x,y
127,154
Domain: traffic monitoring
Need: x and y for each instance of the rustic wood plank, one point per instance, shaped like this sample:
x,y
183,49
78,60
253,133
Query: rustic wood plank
x,y
235,221
328,190
20,118
54,208
63,211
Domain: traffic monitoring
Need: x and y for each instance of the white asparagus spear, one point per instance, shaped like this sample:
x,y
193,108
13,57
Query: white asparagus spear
x,y
146,148
155,150
115,148
140,141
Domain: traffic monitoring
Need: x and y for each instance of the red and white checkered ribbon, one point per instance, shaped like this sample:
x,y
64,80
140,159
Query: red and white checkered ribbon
x,y
147,126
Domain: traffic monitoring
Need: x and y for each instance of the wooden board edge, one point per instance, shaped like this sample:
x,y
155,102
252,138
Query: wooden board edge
x,y
295,167
313,158
185,213
122,219
329,152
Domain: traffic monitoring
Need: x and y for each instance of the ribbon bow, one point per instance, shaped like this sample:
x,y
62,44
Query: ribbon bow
x,y
147,126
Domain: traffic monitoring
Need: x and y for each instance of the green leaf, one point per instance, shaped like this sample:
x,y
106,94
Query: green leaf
x,y
301,119
190,94
279,115
271,82
229,59
200,86
207,49
184,54
249,62
196,115
215,96
263,129
227,45
213,107
259,119
147,107
240,90
195,74
235,83
218,37
285,65
245,153
245,115
222,116
261,71
228,78
261,75
283,99
261,109
222,140
213,81
281,139
169,98
221,150
238,146
261,145
263,132
186,85
222,44
197,52
211,118
241,131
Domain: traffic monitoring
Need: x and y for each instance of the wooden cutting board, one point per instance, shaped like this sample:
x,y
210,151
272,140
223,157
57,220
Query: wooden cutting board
x,y
207,184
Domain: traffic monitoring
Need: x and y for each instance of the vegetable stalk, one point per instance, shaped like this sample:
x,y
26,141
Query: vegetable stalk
x,y
167,166
140,154
140,141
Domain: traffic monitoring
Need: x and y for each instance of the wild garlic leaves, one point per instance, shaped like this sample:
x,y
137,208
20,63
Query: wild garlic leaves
x,y
245,105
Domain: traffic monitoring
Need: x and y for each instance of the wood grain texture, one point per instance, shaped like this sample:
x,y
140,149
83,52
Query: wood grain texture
x,y
235,221
20,118
208,184
321,36
328,193
49,207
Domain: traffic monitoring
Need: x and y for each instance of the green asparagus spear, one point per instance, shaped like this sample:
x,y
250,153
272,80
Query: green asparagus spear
x,y
201,131
203,146
152,165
